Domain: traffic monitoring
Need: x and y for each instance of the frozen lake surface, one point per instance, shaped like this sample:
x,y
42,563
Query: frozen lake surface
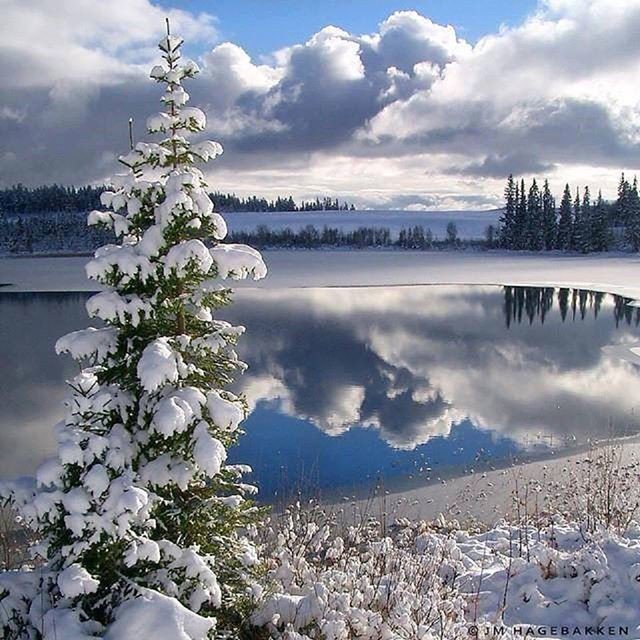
x,y
611,272
347,386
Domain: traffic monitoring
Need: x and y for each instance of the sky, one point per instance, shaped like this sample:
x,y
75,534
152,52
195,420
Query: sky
x,y
391,105
263,26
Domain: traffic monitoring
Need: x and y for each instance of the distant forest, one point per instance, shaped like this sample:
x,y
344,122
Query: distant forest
x,y
532,221
310,237
52,219
68,233
21,200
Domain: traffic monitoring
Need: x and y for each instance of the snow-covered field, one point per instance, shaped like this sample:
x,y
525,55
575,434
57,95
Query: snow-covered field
x,y
470,224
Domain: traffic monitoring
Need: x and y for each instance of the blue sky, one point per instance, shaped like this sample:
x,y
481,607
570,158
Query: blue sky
x,y
262,26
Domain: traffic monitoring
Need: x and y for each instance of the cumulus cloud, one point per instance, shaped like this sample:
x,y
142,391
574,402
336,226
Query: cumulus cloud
x,y
411,108
44,43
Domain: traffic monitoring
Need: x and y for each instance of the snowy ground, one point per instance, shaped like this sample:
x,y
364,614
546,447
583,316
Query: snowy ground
x,y
470,224
440,581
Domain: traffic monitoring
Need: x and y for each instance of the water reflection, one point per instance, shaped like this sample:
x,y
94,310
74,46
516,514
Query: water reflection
x,y
534,303
412,362
403,378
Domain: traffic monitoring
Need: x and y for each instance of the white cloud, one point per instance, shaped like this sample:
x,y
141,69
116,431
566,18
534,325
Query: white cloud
x,y
46,42
411,109
230,70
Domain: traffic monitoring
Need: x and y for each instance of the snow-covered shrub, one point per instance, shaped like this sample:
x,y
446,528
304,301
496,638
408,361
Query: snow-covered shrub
x,y
601,489
335,583
334,579
566,581
139,516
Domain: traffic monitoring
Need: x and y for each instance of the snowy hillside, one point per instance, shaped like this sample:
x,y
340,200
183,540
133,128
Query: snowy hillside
x,y
470,224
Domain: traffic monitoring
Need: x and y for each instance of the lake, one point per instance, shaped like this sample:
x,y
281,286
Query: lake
x,y
348,386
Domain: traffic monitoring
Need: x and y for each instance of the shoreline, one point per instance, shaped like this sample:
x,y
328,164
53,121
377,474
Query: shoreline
x,y
483,496
608,273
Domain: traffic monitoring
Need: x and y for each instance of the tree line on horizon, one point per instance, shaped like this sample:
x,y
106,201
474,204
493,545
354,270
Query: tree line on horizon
x,y
21,200
416,237
57,233
229,202
532,221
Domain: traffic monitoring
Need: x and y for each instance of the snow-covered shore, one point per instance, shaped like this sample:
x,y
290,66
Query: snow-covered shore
x,y
422,581
481,496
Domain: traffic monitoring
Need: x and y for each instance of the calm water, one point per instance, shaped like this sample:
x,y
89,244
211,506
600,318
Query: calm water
x,y
348,385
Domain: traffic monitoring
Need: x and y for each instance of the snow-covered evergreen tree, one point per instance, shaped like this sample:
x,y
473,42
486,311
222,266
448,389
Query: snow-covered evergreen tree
x,y
139,516
577,240
583,227
600,231
565,221
622,203
508,217
549,221
534,227
632,230
520,224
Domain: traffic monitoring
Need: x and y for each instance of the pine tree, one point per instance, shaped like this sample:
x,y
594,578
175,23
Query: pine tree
x,y
565,222
508,217
633,216
139,512
534,219
520,226
578,227
583,224
622,203
600,232
549,223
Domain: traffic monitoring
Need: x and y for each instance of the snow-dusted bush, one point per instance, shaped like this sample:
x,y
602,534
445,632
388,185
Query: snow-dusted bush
x,y
600,490
359,582
434,581
139,516
566,586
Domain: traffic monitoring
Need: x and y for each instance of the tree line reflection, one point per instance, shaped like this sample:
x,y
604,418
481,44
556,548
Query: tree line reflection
x,y
535,303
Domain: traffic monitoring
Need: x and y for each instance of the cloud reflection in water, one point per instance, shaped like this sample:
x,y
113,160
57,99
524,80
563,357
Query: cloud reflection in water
x,y
390,368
